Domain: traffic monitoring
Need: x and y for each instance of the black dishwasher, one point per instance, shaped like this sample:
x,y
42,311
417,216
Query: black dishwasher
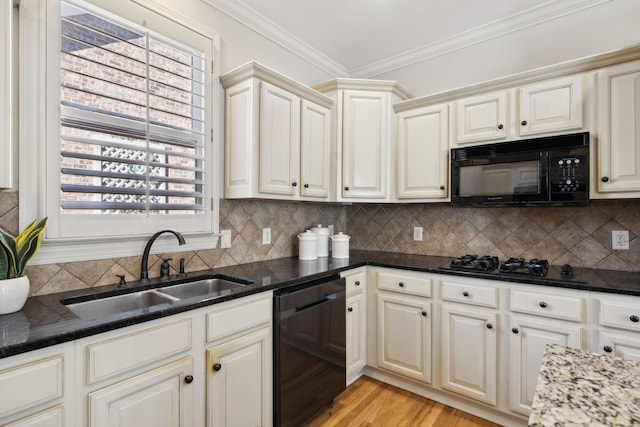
x,y
309,348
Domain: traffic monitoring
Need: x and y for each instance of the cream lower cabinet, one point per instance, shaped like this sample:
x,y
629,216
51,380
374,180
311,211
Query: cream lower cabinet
x,y
528,338
239,367
422,153
540,317
139,375
36,388
616,326
356,323
618,149
469,344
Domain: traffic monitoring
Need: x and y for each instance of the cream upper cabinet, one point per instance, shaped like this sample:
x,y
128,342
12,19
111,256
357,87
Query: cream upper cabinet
x,y
277,137
6,117
548,106
422,142
279,166
363,130
482,118
618,161
551,106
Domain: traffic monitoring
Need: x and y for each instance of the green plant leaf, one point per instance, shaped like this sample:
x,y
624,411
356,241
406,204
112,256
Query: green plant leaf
x,y
8,262
28,243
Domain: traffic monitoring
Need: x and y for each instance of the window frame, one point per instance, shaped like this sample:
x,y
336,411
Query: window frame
x,y
39,112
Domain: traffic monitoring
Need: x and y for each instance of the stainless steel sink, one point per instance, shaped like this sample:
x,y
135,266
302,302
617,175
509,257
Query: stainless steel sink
x,y
109,306
204,287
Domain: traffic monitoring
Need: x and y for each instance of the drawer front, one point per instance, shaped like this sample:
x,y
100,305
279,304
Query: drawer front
x,y
619,315
126,353
412,284
485,296
52,417
554,306
355,282
236,317
30,384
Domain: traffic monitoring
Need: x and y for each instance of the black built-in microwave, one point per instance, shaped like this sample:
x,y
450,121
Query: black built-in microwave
x,y
549,170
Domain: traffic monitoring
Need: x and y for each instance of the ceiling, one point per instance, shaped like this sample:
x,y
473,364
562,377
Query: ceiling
x,y
362,38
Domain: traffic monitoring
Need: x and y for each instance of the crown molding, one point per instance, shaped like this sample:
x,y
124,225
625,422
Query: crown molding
x,y
529,18
363,84
263,26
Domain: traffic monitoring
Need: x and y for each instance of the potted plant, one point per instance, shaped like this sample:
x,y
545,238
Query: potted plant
x,y
15,252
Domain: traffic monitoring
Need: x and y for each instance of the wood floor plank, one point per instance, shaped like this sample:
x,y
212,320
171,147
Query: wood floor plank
x,y
371,403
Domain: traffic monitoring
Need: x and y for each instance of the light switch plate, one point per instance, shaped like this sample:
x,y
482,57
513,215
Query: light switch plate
x,y
266,236
417,233
225,239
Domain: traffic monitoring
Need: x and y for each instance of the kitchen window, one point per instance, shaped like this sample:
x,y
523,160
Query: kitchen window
x,y
126,134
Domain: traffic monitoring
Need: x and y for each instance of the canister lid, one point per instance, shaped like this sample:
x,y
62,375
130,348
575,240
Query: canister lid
x,y
340,237
307,235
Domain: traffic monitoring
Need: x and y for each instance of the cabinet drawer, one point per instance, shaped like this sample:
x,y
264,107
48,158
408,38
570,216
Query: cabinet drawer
x,y
355,282
233,317
108,358
406,283
31,384
620,315
486,296
555,306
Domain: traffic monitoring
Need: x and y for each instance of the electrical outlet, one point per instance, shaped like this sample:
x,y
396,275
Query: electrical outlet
x,y
620,240
266,236
417,233
330,227
225,239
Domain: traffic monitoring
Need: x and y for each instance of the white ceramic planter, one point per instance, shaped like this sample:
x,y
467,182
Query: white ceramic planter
x,y
13,294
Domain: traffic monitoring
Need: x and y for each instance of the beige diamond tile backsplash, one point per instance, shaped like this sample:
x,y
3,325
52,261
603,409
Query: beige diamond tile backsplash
x,y
580,236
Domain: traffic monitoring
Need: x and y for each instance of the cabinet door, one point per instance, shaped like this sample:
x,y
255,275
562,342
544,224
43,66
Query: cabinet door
x,y
356,333
162,397
528,339
365,139
404,336
315,140
422,152
626,346
551,106
279,140
619,142
239,381
482,118
469,352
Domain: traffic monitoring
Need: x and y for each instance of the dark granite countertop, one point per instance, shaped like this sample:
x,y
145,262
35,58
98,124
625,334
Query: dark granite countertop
x,y
45,321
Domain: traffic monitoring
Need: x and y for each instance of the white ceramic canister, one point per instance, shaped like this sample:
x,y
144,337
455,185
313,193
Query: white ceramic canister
x,y
308,246
323,239
340,245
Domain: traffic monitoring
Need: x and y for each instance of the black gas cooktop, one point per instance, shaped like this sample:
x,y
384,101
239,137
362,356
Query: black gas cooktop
x,y
489,263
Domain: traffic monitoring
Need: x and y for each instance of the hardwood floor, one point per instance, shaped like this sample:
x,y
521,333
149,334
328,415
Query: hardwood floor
x,y
368,402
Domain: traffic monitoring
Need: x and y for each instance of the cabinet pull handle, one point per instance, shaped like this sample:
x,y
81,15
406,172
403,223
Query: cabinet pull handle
x,y
604,179
524,123
357,283
500,127
515,330
294,184
350,309
424,313
306,186
465,294
543,304
346,188
217,367
401,284
608,348
442,187
634,318
188,379
489,326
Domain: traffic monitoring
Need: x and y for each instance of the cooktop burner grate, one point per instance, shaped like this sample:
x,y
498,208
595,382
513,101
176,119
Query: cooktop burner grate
x,y
473,262
535,267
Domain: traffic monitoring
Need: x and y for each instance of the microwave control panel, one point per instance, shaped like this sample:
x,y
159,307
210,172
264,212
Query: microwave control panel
x,y
569,174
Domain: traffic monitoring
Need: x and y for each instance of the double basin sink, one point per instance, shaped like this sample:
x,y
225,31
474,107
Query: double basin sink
x,y
200,288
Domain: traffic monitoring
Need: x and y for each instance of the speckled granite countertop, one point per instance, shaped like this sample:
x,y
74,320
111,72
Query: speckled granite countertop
x,y
577,388
45,321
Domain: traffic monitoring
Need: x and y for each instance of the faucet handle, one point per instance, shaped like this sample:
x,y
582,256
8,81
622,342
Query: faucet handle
x,y
123,282
165,268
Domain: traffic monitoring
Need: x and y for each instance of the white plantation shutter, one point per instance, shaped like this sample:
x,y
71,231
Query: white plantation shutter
x,y
132,119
